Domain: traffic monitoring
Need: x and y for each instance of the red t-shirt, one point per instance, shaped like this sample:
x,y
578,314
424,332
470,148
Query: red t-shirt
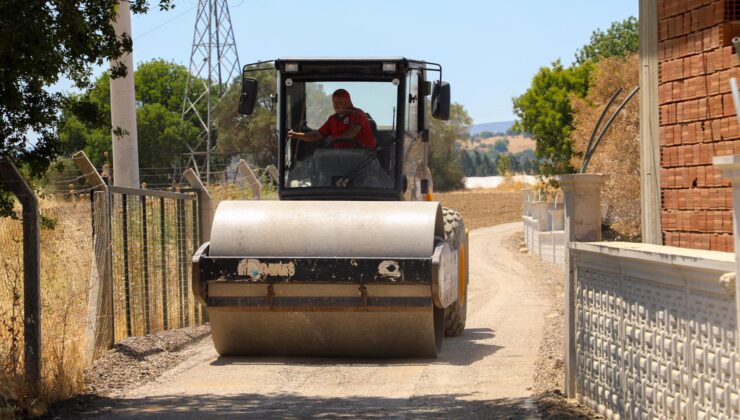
x,y
335,126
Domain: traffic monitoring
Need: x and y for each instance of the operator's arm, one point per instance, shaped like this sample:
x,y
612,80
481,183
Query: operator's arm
x,y
311,136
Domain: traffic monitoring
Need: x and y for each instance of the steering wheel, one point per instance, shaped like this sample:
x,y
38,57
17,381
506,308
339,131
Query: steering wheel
x,y
356,143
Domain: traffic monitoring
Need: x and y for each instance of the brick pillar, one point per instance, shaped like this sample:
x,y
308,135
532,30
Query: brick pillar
x,y
730,166
582,200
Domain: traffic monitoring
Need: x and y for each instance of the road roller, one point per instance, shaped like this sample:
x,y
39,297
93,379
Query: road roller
x,y
355,259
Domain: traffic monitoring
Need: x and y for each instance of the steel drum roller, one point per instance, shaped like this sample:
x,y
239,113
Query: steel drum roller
x,y
341,316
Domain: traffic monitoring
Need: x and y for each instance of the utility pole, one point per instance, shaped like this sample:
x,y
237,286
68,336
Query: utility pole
x,y
214,62
123,110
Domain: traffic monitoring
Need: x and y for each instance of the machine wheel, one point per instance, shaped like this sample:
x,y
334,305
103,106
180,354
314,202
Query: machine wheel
x,y
456,314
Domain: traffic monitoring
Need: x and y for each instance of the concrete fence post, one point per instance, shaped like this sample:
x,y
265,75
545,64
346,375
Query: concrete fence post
x,y
526,200
539,212
272,170
99,328
730,166
252,179
205,203
92,177
582,201
557,221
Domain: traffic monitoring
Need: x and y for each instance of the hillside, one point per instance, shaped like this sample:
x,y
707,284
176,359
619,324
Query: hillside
x,y
517,143
481,155
493,127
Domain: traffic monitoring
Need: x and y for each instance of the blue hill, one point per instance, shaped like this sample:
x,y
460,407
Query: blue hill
x,y
493,127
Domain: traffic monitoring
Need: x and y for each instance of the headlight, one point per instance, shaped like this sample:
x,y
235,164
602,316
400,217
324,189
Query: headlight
x,y
291,67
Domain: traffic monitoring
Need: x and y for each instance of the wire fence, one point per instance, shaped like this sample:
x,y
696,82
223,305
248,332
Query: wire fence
x,y
152,240
144,238
65,263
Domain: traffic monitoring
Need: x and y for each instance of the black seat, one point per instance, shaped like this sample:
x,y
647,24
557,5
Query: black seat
x,y
383,139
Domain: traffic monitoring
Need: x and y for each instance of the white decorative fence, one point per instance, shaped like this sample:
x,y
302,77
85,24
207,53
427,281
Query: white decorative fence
x,y
651,331
654,331
544,233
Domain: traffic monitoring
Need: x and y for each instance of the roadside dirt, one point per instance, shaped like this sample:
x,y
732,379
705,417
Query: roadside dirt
x,y
549,377
483,208
138,360
132,362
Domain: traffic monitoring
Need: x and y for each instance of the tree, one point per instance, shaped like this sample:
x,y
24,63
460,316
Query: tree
x,y
501,146
467,163
503,166
250,136
527,162
85,121
162,82
620,40
444,154
42,41
488,167
486,134
545,112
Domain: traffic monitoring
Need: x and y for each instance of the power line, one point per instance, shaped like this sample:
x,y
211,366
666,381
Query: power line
x,y
164,23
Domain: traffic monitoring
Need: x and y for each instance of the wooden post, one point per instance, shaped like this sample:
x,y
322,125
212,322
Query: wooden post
x,y
205,203
99,333
254,183
649,124
12,181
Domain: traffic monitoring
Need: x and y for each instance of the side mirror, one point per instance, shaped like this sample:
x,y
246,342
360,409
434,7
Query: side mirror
x,y
248,97
441,100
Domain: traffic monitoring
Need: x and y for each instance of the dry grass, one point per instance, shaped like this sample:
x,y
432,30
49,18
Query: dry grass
x,y
65,269
240,191
66,263
517,143
618,156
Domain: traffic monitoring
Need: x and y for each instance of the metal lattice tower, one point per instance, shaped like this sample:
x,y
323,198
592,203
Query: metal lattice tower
x,y
214,62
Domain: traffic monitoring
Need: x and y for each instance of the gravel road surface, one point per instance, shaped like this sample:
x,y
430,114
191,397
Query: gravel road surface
x,y
485,373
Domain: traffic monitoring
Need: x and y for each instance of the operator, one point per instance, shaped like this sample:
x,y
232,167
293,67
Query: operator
x,y
347,122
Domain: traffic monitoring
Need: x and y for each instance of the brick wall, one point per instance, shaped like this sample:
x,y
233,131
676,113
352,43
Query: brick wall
x,y
697,120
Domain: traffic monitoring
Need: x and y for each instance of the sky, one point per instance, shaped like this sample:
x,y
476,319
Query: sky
x,y
489,50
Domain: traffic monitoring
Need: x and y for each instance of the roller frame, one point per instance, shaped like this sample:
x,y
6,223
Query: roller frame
x,y
362,272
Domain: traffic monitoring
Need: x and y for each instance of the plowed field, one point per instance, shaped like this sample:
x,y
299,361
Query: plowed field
x,y
480,208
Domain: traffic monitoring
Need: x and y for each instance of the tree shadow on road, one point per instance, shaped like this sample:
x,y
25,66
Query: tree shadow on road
x,y
290,406
463,350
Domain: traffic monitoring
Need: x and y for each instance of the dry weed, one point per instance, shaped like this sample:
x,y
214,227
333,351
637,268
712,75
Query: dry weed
x,y
240,191
65,269
510,184
618,155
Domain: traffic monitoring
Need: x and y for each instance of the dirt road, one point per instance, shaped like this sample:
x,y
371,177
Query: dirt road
x,y
485,373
